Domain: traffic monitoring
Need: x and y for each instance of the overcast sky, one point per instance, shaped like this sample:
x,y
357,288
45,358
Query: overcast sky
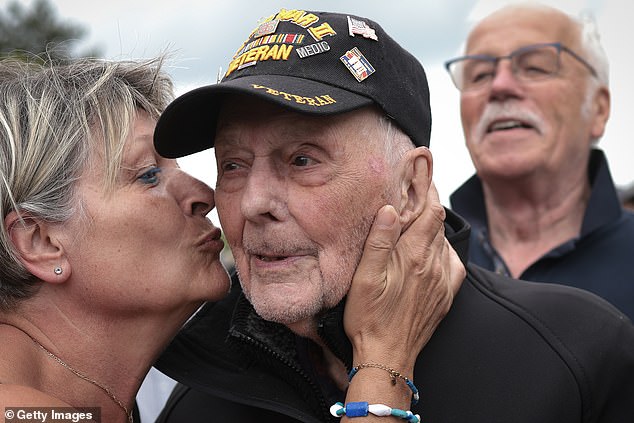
x,y
204,34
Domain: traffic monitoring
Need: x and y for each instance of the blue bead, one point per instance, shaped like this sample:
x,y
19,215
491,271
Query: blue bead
x,y
357,409
399,413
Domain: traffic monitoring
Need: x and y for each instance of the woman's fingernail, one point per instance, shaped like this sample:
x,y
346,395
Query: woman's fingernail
x,y
386,217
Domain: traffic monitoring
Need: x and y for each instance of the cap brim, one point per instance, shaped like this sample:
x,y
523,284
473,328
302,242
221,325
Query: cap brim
x,y
188,124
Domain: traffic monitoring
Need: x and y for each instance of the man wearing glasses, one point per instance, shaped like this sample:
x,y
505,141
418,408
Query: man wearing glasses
x,y
534,103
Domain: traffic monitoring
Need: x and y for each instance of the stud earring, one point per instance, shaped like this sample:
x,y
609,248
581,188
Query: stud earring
x,y
58,270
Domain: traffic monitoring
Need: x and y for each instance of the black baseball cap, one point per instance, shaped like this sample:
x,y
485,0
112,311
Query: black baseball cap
x,y
317,63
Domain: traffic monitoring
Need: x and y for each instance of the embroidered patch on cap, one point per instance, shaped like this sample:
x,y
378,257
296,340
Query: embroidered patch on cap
x,y
271,39
321,31
312,49
317,101
357,64
358,27
266,28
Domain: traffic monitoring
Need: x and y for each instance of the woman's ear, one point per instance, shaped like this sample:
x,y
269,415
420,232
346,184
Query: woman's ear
x,y
38,248
415,181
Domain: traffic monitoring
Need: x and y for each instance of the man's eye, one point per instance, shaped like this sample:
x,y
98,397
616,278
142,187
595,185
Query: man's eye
x,y
229,166
536,69
301,161
478,71
150,176
481,77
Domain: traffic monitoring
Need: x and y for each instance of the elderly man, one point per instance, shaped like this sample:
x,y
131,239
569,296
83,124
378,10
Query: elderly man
x,y
534,102
320,119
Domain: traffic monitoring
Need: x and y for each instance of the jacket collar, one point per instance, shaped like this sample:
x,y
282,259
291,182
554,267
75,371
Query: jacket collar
x,y
603,204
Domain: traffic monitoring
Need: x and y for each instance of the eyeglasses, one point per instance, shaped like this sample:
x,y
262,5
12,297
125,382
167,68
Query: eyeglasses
x,y
529,63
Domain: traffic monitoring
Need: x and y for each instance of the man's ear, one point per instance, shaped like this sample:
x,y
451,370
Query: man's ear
x,y
415,181
602,112
38,248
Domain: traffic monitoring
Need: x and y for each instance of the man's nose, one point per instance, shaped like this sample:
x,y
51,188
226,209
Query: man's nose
x,y
505,82
264,197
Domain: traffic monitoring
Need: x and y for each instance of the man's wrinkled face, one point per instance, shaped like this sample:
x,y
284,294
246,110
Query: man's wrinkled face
x,y
296,196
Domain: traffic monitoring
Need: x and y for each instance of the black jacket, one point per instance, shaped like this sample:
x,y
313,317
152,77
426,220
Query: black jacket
x,y
508,351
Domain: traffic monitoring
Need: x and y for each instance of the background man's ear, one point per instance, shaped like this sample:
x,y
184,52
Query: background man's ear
x,y
602,114
38,249
417,176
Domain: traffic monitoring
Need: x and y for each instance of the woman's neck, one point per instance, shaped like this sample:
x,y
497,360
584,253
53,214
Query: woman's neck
x,y
81,358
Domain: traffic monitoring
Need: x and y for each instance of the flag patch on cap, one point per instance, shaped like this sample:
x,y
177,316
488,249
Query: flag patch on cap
x,y
358,27
357,64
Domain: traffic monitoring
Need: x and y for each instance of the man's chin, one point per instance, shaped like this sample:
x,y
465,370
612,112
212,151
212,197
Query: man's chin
x,y
285,313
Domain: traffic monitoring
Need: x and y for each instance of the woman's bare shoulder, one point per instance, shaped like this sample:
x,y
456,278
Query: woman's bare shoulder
x,y
26,396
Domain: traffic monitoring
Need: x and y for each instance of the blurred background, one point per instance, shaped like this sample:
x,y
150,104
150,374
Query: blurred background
x,y
203,35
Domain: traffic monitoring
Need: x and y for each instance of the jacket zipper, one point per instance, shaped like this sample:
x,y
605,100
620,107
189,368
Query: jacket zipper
x,y
281,359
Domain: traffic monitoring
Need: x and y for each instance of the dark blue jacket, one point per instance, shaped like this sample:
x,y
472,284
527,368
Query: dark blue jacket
x,y
600,260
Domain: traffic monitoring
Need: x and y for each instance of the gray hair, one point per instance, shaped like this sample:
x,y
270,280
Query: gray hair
x,y
52,118
590,41
395,141
584,21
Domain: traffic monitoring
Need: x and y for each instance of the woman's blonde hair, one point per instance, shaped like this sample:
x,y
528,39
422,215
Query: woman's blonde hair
x,y
52,120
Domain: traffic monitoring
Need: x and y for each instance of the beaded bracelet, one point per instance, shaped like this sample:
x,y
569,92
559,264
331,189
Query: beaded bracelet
x,y
361,409
393,374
